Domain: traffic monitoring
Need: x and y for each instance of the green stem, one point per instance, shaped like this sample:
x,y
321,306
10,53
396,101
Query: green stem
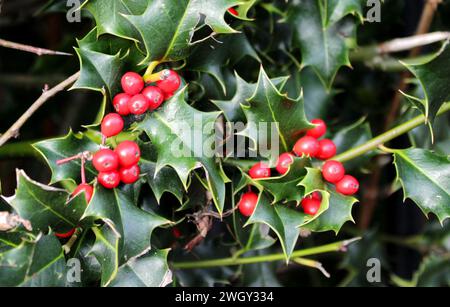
x,y
231,261
387,136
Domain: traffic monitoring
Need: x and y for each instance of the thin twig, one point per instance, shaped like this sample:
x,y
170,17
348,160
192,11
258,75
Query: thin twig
x,y
412,42
13,131
36,50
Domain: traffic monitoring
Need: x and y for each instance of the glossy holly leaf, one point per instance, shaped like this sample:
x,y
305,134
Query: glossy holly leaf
x,y
434,77
321,32
424,178
65,147
150,270
184,139
282,118
45,206
166,180
134,225
223,54
244,8
10,240
338,213
34,263
232,109
167,27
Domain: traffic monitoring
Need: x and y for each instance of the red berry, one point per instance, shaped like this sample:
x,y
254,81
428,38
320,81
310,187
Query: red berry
x,y
327,149
112,124
138,104
315,195
310,205
247,204
167,96
120,103
307,146
105,160
176,233
319,130
86,189
259,170
333,171
283,163
130,174
109,180
128,153
348,185
233,11
154,96
132,83
65,235
170,81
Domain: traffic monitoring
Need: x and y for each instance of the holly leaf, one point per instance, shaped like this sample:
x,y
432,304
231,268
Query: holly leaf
x,y
10,240
424,178
136,273
166,180
323,45
269,106
168,36
434,77
34,263
45,206
180,143
65,147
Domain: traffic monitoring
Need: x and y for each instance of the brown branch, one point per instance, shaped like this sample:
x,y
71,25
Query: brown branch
x,y
13,131
31,49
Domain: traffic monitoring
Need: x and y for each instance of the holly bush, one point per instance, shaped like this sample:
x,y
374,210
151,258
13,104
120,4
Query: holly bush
x,y
230,85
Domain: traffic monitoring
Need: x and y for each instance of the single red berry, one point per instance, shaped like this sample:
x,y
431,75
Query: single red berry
x,y
129,153
247,204
314,195
112,124
176,233
138,104
109,180
105,160
319,130
167,96
85,188
65,235
348,185
310,205
233,11
333,171
307,146
120,103
283,163
327,149
259,170
170,81
154,96
132,83
130,174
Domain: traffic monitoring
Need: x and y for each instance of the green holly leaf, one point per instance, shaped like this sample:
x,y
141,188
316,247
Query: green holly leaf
x,y
45,206
424,178
9,240
34,263
166,180
180,134
169,36
268,105
136,273
134,225
321,33
434,77
65,147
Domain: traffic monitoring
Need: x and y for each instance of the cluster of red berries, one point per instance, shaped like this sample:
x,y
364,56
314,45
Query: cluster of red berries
x,y
309,146
137,98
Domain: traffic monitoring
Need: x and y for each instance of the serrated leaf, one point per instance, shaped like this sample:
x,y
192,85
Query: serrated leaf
x,y
38,263
68,146
150,270
424,178
321,33
168,36
434,77
268,105
180,134
45,206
